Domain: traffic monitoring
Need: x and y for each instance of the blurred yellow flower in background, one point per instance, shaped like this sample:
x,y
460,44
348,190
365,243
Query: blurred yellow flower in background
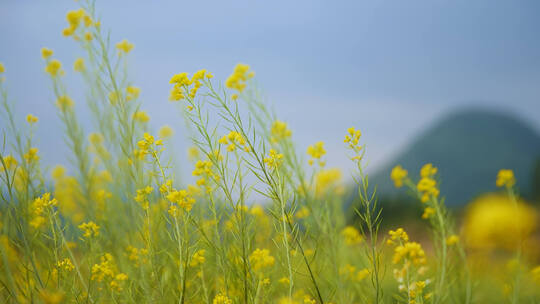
x,y
493,221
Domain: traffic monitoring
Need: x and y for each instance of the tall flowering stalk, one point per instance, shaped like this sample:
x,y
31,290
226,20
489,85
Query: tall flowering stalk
x,y
507,181
427,191
369,213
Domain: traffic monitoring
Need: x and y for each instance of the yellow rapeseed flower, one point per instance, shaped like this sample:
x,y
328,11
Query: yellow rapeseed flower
x,y
142,196
9,161
74,19
353,138
58,172
141,116
2,68
182,198
427,186
193,153
117,282
237,80
46,53
54,68
90,229
398,235
280,131
398,174
64,102
428,212
493,221
316,151
234,140
260,259
452,240
32,155
273,160
221,299
182,85
31,119
65,265
124,46
166,132
137,255
505,178
326,180
132,93
410,251
197,258
351,235
78,65
428,170
302,213
349,272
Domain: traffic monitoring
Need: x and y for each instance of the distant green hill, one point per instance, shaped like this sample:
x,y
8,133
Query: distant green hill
x,y
469,147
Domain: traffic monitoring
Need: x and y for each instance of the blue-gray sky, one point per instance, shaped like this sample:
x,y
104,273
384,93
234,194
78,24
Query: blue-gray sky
x,y
390,68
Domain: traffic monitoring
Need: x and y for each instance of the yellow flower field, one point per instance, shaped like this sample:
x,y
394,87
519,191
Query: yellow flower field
x,y
263,221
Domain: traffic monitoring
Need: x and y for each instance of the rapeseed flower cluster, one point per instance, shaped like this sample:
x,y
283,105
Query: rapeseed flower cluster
x,y
353,140
40,209
350,272
31,119
124,46
46,53
427,186
147,145
505,178
106,272
75,18
273,160
221,299
65,265
327,179
90,229
351,235
198,258
279,131
166,132
78,65
411,264
398,175
9,162
182,84
203,170
141,116
132,93
234,140
183,198
32,155
261,259
316,152
143,196
137,255
237,80
64,102
54,68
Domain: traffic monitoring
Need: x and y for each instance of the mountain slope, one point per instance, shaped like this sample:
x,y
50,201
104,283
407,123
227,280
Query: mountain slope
x,y
469,147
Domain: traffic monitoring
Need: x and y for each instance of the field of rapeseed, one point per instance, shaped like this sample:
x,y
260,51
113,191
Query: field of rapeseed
x,y
264,221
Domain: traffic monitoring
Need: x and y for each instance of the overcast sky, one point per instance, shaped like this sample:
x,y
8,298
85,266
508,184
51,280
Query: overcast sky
x,y
390,68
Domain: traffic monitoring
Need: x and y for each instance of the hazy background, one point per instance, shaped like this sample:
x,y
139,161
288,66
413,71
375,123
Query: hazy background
x,y
390,68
